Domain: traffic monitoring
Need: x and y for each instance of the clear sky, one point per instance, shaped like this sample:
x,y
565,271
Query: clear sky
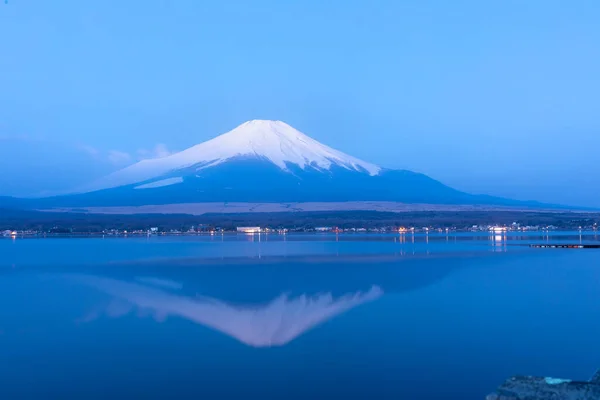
x,y
498,97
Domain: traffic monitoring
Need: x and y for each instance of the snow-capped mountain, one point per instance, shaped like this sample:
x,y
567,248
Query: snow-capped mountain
x,y
262,162
272,141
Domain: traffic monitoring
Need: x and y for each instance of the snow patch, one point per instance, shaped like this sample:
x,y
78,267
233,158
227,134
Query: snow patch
x,y
165,283
556,381
161,183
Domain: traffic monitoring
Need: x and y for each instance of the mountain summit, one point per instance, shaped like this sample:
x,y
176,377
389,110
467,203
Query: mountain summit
x,y
273,141
279,143
264,162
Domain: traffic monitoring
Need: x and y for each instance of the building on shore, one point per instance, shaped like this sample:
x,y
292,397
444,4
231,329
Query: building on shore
x,y
248,229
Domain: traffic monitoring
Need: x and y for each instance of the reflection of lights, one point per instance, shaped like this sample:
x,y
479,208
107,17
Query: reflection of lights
x,y
498,240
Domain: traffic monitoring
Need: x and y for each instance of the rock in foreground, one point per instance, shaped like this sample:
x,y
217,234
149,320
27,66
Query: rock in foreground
x,y
537,388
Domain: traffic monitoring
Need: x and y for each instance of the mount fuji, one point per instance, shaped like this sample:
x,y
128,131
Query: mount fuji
x,y
271,142
264,161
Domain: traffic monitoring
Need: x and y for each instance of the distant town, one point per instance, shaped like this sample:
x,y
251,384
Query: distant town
x,y
203,229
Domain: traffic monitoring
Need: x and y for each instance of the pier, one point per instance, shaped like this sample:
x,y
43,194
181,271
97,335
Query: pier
x,y
565,246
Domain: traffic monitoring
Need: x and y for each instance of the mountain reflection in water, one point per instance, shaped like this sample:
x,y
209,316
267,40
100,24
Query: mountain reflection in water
x,y
273,324
259,304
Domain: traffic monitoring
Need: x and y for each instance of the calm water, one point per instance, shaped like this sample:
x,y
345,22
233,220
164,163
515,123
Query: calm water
x,y
297,316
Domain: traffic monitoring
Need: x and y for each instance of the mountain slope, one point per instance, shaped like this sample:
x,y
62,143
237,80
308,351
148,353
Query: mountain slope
x,y
258,181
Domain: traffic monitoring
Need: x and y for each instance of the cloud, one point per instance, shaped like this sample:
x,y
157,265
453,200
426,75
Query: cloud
x,y
92,151
159,151
117,157
121,158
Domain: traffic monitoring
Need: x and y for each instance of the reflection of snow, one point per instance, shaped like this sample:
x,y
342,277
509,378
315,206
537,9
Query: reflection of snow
x,y
273,324
159,282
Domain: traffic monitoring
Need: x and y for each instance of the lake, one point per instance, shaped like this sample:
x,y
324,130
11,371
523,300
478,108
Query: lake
x,y
294,316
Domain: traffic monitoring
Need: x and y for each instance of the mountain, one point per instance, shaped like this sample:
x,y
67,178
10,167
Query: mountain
x,y
263,161
271,142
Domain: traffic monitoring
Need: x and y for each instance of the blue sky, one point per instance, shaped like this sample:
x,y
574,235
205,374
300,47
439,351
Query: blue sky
x,y
497,97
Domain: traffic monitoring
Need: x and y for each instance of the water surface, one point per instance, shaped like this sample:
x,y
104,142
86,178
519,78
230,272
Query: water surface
x,y
296,316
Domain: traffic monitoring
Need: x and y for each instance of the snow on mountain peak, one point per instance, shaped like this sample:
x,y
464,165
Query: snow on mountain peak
x,y
275,141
